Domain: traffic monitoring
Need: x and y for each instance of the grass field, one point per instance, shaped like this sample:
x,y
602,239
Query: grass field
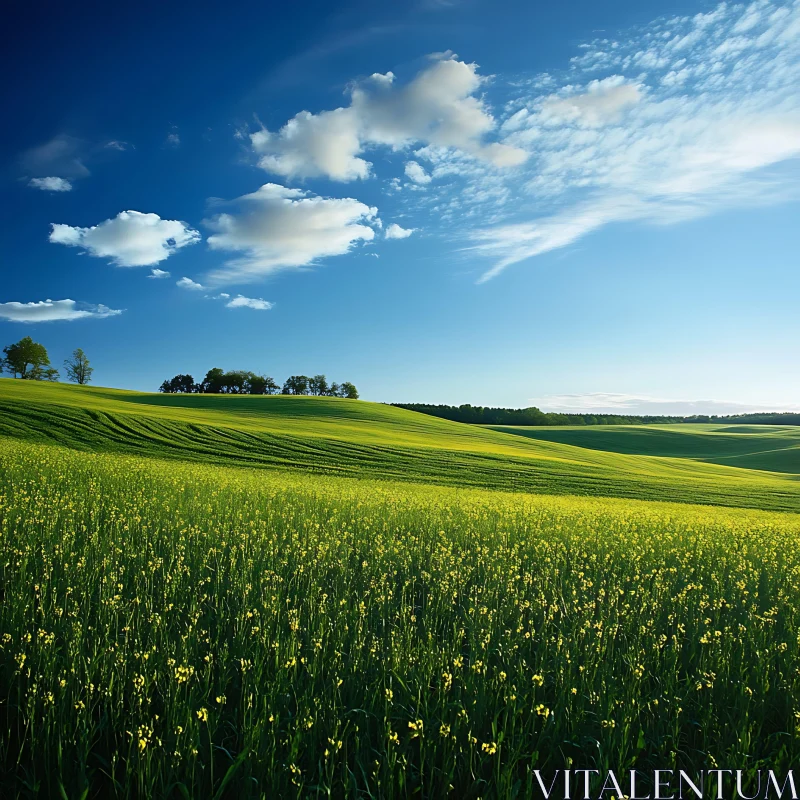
x,y
172,629
774,448
368,440
199,600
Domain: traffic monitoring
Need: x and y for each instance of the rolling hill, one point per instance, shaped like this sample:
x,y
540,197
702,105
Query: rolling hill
x,y
369,440
774,448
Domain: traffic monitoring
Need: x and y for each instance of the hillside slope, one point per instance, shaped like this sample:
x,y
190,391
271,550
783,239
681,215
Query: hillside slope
x,y
774,448
360,439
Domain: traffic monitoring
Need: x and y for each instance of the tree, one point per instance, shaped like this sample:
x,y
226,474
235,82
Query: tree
x,y
296,384
77,367
29,360
235,382
180,383
213,381
334,389
260,384
348,390
318,385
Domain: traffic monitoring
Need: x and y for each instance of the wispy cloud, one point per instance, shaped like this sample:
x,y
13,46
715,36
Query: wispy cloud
x,y
256,303
63,156
644,405
54,311
675,120
51,184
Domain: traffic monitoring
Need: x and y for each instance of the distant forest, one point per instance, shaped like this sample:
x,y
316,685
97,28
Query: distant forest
x,y
480,415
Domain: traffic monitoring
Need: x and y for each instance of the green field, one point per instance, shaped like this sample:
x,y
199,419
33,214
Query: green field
x,y
774,448
299,597
369,440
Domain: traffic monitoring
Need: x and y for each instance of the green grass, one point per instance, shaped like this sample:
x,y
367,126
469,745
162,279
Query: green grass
x,y
774,448
367,440
176,629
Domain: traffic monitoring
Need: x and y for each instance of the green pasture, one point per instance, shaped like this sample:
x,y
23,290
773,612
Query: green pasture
x,y
368,440
774,448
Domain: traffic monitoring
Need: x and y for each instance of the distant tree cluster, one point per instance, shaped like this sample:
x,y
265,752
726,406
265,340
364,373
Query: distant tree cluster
x,y
29,360
217,381
480,415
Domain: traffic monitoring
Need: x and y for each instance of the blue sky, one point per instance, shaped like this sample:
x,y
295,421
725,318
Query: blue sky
x,y
575,205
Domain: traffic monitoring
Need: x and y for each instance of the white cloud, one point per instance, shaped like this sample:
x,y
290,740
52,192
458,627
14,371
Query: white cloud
x,y
188,283
157,273
53,311
602,102
416,173
277,228
693,115
173,139
131,239
115,144
240,301
51,184
644,405
394,231
439,107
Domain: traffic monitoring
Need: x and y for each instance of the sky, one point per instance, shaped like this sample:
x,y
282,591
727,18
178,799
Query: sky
x,y
581,206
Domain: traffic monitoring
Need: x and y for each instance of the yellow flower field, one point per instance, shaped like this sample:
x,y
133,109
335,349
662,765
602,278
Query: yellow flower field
x,y
173,629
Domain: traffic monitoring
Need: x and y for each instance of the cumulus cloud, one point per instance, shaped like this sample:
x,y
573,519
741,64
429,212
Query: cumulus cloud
x,y
188,283
158,274
394,231
691,116
416,173
54,311
51,184
438,106
277,228
131,239
240,301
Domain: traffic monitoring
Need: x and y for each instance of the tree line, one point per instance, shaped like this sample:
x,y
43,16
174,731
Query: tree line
x,y
28,360
480,415
218,381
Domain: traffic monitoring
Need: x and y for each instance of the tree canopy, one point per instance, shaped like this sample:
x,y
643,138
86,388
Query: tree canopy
x,y
78,369
28,360
217,381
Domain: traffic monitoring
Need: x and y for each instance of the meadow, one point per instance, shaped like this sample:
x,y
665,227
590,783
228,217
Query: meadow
x,y
175,626
774,448
353,438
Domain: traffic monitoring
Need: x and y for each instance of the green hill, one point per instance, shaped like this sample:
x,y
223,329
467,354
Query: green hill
x,y
361,439
774,448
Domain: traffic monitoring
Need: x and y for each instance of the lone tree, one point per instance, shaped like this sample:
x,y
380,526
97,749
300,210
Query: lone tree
x,y
29,360
77,367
